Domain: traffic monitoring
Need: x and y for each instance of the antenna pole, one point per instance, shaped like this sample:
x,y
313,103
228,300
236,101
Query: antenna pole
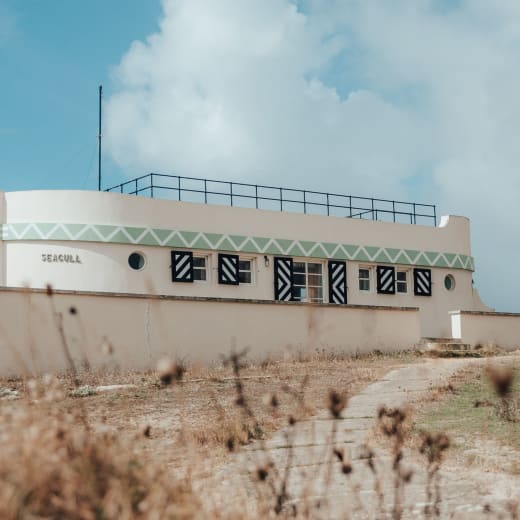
x,y
99,138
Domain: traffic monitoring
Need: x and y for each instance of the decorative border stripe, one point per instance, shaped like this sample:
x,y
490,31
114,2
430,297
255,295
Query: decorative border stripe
x,y
234,243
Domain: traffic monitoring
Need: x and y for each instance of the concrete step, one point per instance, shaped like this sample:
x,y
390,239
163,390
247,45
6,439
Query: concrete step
x,y
447,348
445,345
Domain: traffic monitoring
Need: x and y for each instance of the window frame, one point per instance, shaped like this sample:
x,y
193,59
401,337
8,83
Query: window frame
x,y
207,267
251,271
370,270
398,282
307,286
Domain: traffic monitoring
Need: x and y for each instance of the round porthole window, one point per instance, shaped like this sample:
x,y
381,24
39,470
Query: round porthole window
x,y
136,261
449,282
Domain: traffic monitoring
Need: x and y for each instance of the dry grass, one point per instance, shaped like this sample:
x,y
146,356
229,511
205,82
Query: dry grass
x,y
97,456
480,409
55,464
202,405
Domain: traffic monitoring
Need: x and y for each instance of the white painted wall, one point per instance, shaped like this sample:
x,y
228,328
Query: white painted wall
x,y
487,328
111,208
142,330
104,266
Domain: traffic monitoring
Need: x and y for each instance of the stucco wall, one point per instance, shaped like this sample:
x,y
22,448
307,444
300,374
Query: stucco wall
x,y
103,262
485,328
114,209
142,329
104,267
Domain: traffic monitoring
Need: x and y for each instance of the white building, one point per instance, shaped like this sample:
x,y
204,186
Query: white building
x,y
405,280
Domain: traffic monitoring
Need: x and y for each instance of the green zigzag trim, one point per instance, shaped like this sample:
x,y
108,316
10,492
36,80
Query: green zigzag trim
x,y
221,242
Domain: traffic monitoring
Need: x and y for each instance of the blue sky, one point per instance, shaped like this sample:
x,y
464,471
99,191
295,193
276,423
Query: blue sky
x,y
409,99
56,54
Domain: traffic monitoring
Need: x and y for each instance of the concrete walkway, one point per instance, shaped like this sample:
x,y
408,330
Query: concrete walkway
x,y
315,479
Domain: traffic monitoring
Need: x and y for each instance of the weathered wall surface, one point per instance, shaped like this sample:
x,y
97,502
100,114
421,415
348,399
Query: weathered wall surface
x,y
485,328
143,329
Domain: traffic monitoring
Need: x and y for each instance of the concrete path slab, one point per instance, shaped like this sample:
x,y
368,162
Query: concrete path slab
x,y
315,477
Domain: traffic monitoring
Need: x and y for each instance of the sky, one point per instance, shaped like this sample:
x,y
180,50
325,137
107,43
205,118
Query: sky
x,y
408,99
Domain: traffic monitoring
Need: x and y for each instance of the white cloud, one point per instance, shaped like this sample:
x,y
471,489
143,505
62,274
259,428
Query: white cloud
x,y
251,90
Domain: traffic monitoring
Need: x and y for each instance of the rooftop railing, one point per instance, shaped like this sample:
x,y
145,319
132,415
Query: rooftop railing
x,y
207,191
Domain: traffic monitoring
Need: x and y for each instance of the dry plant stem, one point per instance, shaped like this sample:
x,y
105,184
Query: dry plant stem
x,y
58,318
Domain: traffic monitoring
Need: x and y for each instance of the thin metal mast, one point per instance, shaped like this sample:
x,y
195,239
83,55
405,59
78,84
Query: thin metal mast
x,y
99,138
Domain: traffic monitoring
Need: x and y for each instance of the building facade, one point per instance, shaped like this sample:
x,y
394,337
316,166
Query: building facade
x,y
123,244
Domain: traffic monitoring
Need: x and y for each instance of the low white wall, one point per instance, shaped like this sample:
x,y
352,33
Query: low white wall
x,y
485,328
142,329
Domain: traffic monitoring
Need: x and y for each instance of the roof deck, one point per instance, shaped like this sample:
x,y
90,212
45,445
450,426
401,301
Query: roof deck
x,y
210,191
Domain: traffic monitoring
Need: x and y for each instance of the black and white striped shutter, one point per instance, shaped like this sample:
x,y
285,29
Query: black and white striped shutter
x,y
182,266
422,282
385,279
283,279
337,282
228,269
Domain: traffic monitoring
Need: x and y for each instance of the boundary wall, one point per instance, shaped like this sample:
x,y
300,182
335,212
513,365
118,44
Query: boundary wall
x,y
127,331
487,328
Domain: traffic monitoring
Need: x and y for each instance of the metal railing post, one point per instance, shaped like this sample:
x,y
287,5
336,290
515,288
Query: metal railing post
x,y
179,186
231,192
205,191
256,195
304,202
328,206
281,200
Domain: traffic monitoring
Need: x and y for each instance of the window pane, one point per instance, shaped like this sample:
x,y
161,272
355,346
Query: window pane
x,y
199,274
401,287
314,268
244,265
199,261
315,294
364,273
401,276
299,267
244,277
364,285
299,279
314,279
299,293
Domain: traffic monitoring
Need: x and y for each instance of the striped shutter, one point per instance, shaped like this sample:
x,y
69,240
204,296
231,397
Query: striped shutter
x,y
422,282
182,266
385,279
228,269
337,282
283,279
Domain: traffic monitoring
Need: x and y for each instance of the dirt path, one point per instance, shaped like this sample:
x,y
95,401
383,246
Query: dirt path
x,y
315,477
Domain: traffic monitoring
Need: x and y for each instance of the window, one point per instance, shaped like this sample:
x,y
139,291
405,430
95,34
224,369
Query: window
x,y
136,261
245,271
308,282
364,279
200,268
401,278
449,282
